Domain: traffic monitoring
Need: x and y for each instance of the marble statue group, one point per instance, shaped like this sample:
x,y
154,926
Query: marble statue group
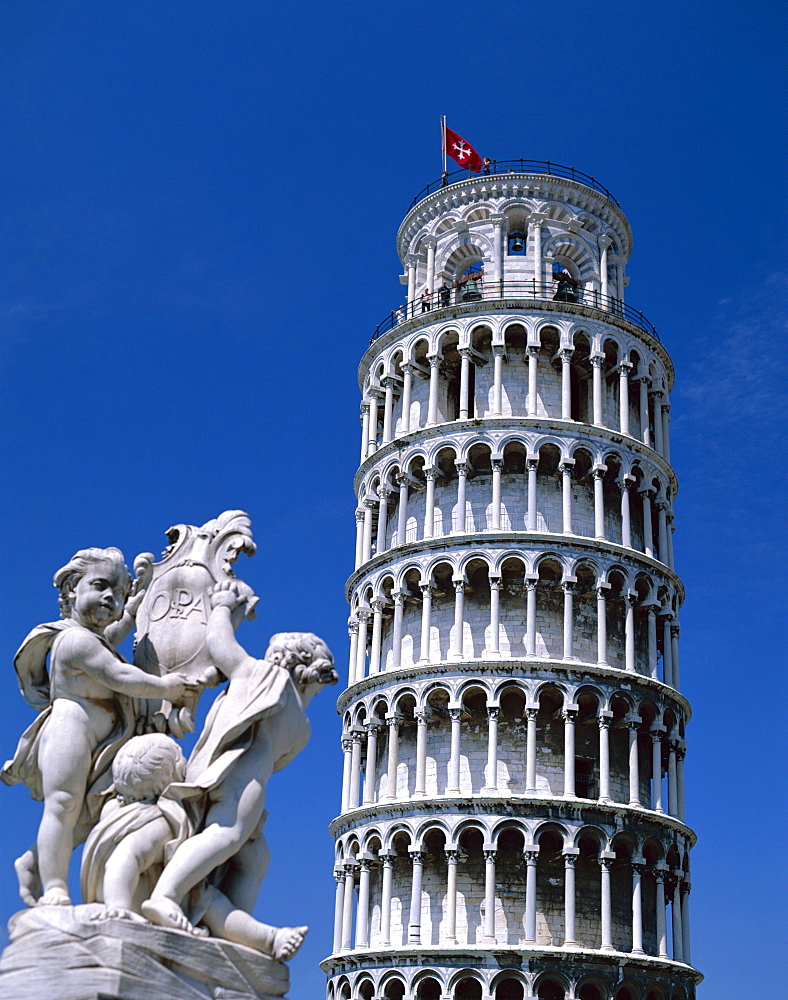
x,y
171,842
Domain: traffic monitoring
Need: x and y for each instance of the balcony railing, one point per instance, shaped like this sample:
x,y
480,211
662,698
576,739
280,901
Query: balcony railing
x,y
517,167
530,292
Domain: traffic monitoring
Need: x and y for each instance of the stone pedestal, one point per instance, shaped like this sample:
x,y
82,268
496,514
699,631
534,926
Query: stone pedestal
x,y
61,953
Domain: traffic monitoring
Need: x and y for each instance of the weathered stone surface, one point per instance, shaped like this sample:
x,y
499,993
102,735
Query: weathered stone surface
x,y
64,953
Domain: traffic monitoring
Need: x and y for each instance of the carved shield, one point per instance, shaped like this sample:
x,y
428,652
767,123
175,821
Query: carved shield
x,y
173,615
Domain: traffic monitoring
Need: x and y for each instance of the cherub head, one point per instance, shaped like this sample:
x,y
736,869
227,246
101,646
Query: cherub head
x,y
304,655
144,767
94,586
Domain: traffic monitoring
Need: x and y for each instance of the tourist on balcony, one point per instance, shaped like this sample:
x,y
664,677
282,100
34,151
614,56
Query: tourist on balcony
x,y
486,164
444,294
426,300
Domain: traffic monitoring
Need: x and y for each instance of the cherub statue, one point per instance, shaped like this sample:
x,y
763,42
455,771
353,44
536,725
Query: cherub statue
x,y
125,853
256,726
88,708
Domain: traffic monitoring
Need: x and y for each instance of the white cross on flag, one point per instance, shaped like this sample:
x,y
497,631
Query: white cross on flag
x,y
460,150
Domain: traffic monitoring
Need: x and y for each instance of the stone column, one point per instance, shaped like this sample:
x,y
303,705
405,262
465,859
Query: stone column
x,y
392,721
566,494
530,615
465,372
497,221
372,446
651,628
662,930
411,260
674,640
371,765
352,631
459,620
662,531
599,501
626,521
685,922
630,597
667,651
637,906
389,384
451,896
420,791
675,912
361,659
532,354
666,429
431,475
648,523
531,856
566,383
673,800
381,542
570,717
530,750
339,906
364,429
493,650
656,770
604,720
657,402
492,750
536,222
601,623
633,727
624,369
645,431
681,752
455,714
462,481
347,764
360,513
347,911
362,911
414,922
377,632
426,614
671,529
489,896
532,465
570,857
430,244
569,624
355,768
402,509
432,406
366,543
396,640
407,391
497,468
385,898
606,859
596,389
498,355
604,246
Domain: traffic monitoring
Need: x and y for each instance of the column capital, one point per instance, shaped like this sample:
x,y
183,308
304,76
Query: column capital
x,y
434,360
347,744
497,463
566,464
490,854
536,219
493,712
384,490
568,584
455,714
422,717
633,725
430,473
532,351
531,582
452,855
393,721
565,354
531,855
624,367
497,220
495,582
364,406
373,727
638,865
360,512
412,259
569,713
604,241
604,723
459,584
601,587
532,462
625,482
416,855
599,471
399,596
596,360
352,627
531,714
461,466
430,242
570,856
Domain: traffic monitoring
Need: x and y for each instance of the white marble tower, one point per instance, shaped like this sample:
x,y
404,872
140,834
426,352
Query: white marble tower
x,y
512,820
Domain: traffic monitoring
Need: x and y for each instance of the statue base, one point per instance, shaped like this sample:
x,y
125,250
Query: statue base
x,y
64,952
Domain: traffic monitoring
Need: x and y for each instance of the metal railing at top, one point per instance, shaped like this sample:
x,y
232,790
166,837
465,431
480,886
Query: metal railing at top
x,y
530,292
516,167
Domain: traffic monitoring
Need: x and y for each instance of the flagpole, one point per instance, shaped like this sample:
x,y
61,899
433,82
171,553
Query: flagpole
x,y
443,140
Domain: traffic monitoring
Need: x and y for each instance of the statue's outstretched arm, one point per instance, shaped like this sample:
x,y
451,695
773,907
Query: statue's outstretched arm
x,y
227,654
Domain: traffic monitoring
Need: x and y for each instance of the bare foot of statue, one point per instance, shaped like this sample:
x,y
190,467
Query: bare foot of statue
x,y
287,941
166,913
26,868
118,913
56,896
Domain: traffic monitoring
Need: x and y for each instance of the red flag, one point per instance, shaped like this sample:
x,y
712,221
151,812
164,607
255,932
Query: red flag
x,y
460,150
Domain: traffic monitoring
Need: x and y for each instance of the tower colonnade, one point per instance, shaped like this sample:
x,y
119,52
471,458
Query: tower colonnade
x,y
512,819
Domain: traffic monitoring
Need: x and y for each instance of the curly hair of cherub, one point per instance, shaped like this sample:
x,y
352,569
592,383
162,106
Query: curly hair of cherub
x,y
289,649
69,575
145,765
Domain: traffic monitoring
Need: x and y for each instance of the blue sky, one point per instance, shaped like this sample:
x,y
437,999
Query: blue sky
x,y
199,205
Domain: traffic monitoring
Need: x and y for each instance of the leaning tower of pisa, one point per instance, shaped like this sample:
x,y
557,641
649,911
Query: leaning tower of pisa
x,y
512,820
